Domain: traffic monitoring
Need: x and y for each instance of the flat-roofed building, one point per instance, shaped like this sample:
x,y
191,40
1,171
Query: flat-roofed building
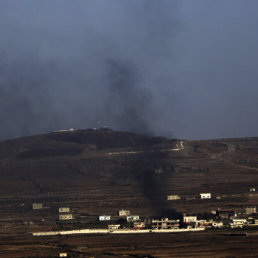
x,y
165,224
65,216
225,213
104,217
189,219
250,210
124,213
205,195
37,206
217,224
64,209
173,197
113,227
238,223
132,218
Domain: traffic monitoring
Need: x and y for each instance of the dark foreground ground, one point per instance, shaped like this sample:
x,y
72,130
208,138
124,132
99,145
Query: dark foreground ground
x,y
204,244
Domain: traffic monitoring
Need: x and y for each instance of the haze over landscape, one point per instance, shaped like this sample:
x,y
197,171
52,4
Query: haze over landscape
x,y
184,69
140,124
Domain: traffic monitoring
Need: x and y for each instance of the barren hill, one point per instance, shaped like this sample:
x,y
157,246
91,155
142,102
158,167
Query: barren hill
x,y
104,170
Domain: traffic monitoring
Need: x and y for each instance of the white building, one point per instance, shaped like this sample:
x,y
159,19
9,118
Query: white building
x,y
252,189
205,195
64,130
173,197
37,206
64,209
104,217
65,216
217,224
62,254
238,223
189,219
132,218
124,213
250,210
113,227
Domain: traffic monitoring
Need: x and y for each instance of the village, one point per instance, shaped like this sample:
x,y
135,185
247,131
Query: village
x,y
124,221
108,195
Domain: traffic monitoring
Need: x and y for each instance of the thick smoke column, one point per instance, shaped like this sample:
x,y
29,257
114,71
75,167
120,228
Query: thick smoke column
x,y
129,104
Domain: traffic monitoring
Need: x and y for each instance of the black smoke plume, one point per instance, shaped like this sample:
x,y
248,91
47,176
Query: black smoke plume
x,y
54,72
129,104
152,170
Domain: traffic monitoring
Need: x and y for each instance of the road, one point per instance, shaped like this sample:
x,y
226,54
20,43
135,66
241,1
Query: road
x,y
180,146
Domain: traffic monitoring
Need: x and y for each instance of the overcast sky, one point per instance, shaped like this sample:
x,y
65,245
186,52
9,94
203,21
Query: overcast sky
x,y
183,68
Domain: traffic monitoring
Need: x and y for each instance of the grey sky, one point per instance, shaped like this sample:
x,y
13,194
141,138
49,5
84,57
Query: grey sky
x,y
184,69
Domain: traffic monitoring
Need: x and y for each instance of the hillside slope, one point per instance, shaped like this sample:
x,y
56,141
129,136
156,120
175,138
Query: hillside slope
x,y
108,170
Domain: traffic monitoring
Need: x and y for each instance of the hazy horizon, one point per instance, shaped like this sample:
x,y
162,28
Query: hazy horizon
x,y
180,69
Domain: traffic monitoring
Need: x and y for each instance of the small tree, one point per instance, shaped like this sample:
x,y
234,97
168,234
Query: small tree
x,y
123,222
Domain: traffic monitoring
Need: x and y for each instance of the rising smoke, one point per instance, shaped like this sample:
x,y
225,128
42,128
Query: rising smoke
x,y
129,104
87,61
192,66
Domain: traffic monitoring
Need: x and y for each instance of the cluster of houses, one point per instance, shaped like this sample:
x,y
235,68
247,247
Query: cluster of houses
x,y
220,218
65,213
166,223
238,218
122,213
203,196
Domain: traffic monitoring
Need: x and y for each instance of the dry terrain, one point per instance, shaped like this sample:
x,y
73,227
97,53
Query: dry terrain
x,y
97,172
